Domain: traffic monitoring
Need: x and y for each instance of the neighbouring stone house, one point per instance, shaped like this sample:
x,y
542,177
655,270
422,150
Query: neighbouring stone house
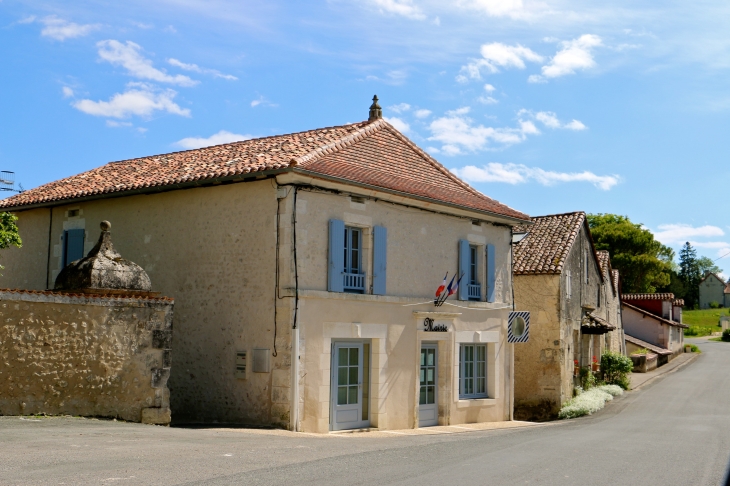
x,y
653,319
574,310
713,289
97,345
303,268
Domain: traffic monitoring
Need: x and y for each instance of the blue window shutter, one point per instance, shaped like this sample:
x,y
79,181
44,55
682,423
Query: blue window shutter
x,y
73,245
336,265
491,274
464,257
380,258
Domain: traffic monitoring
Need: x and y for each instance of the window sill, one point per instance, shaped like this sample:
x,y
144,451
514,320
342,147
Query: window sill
x,y
476,402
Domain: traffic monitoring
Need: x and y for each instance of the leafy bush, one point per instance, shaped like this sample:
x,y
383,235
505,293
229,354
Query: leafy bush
x,y
616,369
587,378
714,305
589,401
725,335
698,331
694,348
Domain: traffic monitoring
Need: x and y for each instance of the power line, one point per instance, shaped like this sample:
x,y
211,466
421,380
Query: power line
x,y
726,254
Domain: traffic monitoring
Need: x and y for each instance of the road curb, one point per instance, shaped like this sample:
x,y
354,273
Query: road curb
x,y
668,372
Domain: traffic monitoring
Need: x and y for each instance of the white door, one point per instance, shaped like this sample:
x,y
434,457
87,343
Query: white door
x,y
427,402
347,387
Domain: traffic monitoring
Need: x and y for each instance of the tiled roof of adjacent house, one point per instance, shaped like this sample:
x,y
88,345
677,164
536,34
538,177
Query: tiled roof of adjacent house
x,y
615,279
659,296
547,244
727,289
371,154
653,316
678,302
649,346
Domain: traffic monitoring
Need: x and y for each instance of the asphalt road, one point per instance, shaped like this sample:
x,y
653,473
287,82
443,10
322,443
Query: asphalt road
x,y
675,430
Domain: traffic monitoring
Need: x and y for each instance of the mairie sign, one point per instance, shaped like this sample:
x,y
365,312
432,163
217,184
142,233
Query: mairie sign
x,y
518,327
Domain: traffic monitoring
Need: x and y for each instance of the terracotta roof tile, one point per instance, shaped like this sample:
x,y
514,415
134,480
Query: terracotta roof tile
x,y
656,296
678,302
596,323
547,244
373,154
616,281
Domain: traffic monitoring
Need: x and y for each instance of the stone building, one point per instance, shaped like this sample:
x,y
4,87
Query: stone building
x,y
303,268
715,290
574,308
97,345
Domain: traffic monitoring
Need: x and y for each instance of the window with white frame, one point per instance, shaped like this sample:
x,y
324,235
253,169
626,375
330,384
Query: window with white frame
x,y
354,277
472,371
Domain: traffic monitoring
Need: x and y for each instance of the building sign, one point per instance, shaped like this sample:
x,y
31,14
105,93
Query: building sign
x,y
518,327
431,326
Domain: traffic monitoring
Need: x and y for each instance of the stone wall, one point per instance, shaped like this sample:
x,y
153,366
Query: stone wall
x,y
540,362
88,355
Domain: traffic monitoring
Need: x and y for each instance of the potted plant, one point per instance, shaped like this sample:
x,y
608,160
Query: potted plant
x,y
594,364
576,367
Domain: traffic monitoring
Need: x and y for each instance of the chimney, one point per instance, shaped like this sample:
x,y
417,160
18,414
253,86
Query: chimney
x,y
376,112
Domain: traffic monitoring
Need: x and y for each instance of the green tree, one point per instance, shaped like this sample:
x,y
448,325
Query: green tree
x,y
644,263
707,265
9,235
689,273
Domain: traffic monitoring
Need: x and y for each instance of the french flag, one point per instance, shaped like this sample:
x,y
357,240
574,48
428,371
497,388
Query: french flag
x,y
442,286
453,291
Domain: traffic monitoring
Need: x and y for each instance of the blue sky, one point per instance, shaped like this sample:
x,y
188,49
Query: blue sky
x,y
547,106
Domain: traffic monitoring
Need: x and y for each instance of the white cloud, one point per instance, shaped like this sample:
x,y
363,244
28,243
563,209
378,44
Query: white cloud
x,y
216,139
575,55
139,99
198,69
67,92
459,134
497,55
129,57
487,100
680,233
400,107
520,174
399,124
489,88
59,29
422,113
404,8
117,124
550,120
261,100
495,8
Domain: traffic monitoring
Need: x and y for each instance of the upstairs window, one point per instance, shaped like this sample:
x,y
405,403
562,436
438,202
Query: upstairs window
x,y
347,264
354,278
473,269
73,246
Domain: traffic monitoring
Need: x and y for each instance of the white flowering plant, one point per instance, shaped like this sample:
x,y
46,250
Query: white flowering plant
x,y
590,401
